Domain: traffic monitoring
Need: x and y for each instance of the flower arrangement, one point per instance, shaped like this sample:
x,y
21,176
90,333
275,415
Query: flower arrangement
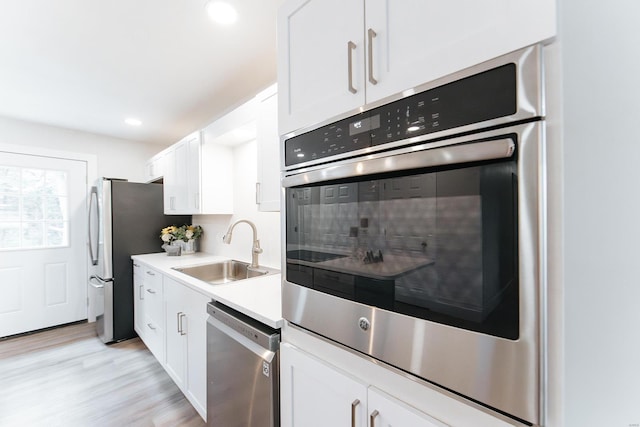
x,y
192,232
180,240
184,233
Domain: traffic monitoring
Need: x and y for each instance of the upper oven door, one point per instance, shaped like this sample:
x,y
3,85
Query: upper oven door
x,y
430,233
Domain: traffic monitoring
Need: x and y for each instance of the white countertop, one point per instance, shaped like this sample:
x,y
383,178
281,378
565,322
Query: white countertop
x,y
258,297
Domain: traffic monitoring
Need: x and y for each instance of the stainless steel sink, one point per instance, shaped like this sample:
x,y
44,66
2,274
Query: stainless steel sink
x,y
225,271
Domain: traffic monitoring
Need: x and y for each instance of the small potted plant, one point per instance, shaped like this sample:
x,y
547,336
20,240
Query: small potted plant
x,y
191,233
171,235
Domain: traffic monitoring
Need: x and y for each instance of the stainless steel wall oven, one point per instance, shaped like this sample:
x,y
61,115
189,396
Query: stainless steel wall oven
x,y
413,232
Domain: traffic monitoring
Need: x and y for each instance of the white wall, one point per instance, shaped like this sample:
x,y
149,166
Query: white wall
x,y
244,207
116,158
600,51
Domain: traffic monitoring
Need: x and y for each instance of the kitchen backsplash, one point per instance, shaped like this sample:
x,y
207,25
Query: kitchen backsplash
x,y
244,207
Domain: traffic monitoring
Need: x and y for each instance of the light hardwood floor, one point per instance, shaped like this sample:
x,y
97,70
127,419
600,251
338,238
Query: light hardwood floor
x,y
68,377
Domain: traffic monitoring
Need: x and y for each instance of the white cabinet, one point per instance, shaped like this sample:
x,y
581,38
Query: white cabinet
x,y
138,300
154,167
197,176
320,61
268,141
182,170
177,329
334,57
314,393
148,304
186,338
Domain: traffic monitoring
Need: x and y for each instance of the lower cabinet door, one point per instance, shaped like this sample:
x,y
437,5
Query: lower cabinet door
x,y
186,348
138,307
177,329
314,394
387,411
196,309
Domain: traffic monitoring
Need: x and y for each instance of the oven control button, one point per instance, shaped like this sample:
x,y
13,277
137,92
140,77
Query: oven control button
x,y
364,323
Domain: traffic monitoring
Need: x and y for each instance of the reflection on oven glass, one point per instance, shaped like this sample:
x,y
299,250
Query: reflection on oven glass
x,y
435,244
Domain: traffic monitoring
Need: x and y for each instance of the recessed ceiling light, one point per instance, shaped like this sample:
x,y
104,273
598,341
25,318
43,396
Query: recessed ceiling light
x,y
133,122
221,12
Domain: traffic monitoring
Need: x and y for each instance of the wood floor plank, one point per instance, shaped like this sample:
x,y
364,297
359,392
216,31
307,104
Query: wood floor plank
x,y
68,377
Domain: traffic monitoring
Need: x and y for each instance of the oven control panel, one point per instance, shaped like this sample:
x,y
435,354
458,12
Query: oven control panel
x,y
474,99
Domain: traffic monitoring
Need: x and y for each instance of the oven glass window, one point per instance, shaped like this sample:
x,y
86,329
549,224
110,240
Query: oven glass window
x,y
438,244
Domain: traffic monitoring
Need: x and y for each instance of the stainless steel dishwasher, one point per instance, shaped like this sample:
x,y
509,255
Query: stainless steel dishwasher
x,y
242,370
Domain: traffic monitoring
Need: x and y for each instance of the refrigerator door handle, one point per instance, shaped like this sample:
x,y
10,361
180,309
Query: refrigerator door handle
x,y
93,200
100,283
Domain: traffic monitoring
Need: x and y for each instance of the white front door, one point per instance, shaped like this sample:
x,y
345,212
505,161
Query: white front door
x,y
43,227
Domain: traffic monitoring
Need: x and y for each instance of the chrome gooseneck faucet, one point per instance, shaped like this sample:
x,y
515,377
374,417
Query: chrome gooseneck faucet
x,y
255,250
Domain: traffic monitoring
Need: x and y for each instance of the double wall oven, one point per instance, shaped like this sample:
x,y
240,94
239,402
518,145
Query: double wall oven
x,y
414,232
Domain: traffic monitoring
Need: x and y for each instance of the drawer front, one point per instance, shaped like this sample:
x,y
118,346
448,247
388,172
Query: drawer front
x,y
154,338
153,295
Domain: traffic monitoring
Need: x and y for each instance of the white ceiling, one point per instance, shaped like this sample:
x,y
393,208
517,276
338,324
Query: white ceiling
x,y
89,64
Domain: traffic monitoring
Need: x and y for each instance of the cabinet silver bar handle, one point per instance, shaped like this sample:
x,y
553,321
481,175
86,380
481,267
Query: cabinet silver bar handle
x,y
182,316
140,291
179,322
151,291
372,418
350,48
371,34
257,193
151,273
353,412
151,326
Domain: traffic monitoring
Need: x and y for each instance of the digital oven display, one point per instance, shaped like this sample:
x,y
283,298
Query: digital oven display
x,y
364,125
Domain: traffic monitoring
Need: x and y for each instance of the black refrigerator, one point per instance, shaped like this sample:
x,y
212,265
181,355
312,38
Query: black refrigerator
x,y
125,218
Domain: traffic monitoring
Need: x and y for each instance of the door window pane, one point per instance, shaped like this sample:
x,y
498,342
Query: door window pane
x,y
34,208
32,181
9,207
56,208
32,234
56,182
57,233
9,235
9,179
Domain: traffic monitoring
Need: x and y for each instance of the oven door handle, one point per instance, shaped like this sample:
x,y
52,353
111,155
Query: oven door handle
x,y
447,155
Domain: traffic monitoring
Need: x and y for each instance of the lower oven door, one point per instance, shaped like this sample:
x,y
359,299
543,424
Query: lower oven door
x,y
427,258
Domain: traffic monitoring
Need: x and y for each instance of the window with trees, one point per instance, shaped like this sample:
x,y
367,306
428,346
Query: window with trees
x,y
34,208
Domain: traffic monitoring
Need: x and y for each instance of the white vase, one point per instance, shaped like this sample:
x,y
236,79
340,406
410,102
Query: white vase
x,y
172,249
188,247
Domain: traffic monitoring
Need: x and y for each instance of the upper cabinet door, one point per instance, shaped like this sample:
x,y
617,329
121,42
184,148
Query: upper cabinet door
x,y
193,143
320,61
411,42
268,186
334,58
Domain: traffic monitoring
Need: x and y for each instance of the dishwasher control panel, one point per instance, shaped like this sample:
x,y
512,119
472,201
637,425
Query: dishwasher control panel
x,y
246,326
